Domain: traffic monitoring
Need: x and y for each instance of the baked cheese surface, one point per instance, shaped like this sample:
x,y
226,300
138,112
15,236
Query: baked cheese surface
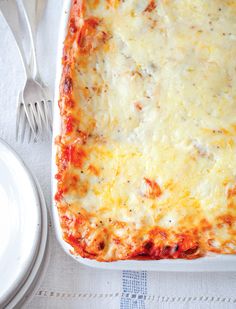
x,y
147,151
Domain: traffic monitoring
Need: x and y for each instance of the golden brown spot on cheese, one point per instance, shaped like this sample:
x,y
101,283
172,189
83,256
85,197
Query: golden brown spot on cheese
x,y
151,6
93,170
153,190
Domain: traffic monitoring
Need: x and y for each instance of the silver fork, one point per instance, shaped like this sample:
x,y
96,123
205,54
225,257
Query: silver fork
x,y
35,92
32,109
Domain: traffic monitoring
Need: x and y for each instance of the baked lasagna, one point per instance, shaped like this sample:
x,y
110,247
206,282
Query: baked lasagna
x,y
146,155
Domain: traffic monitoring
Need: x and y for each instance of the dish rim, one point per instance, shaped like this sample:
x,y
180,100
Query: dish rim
x,y
210,263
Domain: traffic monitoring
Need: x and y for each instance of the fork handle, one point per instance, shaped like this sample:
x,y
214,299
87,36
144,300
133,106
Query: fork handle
x,y
10,12
30,20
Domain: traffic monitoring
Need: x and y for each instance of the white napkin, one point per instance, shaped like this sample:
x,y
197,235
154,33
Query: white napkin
x,y
68,284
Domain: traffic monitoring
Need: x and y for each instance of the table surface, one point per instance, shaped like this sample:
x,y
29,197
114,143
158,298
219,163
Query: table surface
x,y
66,283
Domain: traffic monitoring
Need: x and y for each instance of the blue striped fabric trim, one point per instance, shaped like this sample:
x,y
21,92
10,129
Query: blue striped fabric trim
x,y
134,288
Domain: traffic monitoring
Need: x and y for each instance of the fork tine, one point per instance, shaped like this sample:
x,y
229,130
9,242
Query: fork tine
x,y
43,115
40,120
41,111
37,119
29,135
30,119
48,114
18,114
23,120
48,118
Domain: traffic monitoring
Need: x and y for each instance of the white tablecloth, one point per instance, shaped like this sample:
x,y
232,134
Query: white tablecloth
x,y
67,284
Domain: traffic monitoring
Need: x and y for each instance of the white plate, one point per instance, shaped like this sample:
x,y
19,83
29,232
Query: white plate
x,y
20,224
32,282
208,263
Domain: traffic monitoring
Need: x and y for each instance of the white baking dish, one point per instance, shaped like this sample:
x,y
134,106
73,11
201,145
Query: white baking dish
x,y
209,263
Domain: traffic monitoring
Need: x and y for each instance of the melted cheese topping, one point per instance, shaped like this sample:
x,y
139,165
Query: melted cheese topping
x,y
153,85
